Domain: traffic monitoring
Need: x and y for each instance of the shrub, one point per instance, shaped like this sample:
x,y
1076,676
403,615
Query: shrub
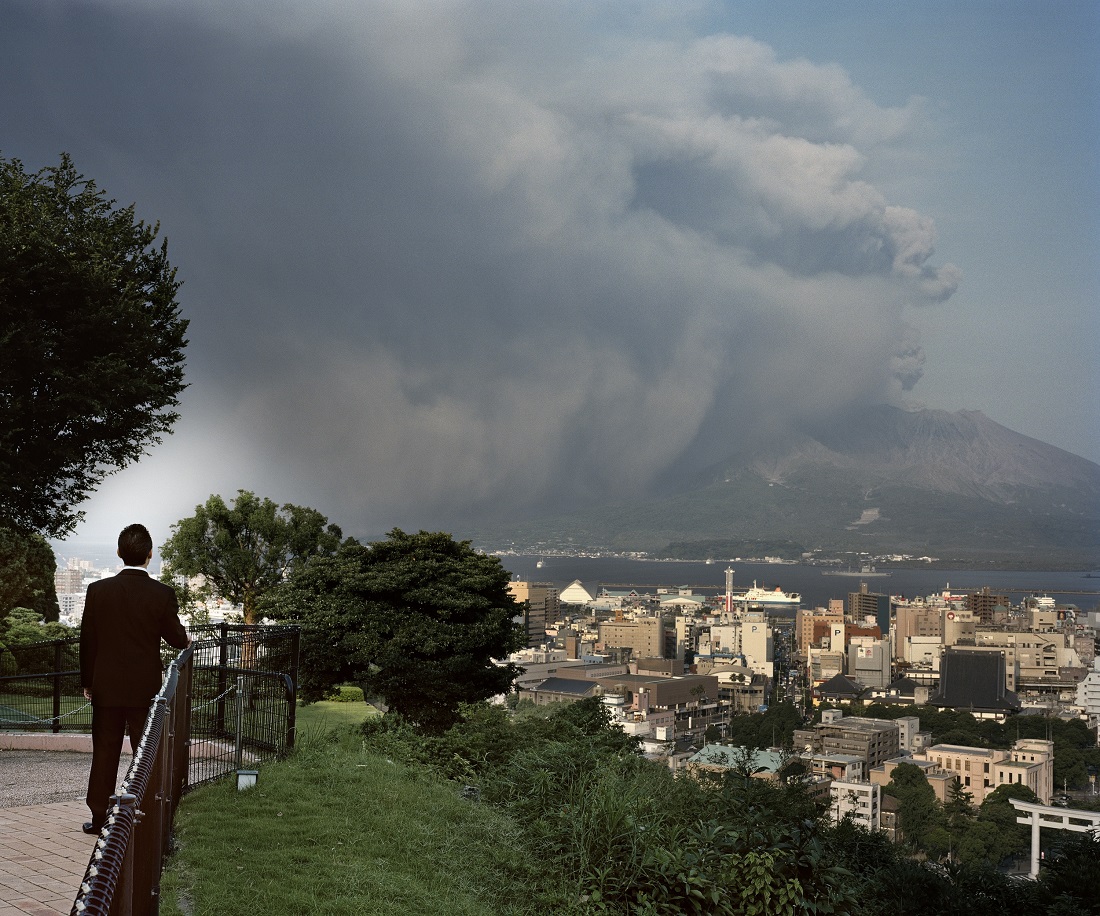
x,y
345,694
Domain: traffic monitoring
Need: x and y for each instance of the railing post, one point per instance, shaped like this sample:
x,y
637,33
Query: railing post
x,y
223,661
122,901
240,720
57,657
181,728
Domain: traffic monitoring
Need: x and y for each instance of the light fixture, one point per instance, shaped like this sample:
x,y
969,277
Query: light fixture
x,y
246,779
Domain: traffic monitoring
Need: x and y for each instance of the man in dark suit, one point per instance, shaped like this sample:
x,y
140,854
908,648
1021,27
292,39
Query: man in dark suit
x,y
125,618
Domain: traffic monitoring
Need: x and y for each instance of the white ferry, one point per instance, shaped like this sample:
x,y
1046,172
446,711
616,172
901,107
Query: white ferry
x,y
776,596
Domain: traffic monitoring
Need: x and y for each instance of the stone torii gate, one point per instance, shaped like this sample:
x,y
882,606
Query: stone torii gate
x,y
1055,818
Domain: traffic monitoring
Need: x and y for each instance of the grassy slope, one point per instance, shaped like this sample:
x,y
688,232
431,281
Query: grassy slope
x,y
334,830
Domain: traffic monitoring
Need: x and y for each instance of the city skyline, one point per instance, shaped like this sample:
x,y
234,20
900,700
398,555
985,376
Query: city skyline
x,y
444,260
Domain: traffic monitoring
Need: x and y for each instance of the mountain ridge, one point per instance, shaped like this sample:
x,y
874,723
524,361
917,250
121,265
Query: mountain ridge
x,y
880,480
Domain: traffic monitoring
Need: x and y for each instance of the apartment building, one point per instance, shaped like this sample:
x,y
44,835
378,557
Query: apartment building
x,y
645,637
872,740
1088,691
866,603
541,609
811,625
988,607
1030,762
856,799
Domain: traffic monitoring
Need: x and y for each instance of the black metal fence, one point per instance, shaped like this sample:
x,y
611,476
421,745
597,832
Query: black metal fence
x,y
40,687
242,701
227,704
243,697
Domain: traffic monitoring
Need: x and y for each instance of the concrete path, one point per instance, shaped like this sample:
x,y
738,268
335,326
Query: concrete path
x,y
43,856
43,851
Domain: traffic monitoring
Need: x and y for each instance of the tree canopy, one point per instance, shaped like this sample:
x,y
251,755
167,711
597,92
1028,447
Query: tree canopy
x,y
91,343
416,618
27,565
919,812
242,551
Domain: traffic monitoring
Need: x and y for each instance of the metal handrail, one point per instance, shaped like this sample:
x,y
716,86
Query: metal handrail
x,y
123,874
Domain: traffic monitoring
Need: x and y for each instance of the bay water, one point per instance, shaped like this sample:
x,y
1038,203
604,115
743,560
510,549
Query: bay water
x,y
1081,589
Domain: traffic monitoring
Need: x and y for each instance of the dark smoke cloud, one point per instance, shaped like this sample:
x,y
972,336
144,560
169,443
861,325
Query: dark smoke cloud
x,y
444,260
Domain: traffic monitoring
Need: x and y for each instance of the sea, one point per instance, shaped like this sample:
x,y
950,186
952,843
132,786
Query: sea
x,y
1081,589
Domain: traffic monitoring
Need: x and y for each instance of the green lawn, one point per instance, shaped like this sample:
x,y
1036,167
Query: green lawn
x,y
326,715
335,830
20,710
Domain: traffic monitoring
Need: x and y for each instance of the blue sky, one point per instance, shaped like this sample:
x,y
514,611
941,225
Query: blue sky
x,y
444,259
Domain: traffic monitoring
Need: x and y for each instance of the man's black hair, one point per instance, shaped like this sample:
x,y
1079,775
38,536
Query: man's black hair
x,y
134,545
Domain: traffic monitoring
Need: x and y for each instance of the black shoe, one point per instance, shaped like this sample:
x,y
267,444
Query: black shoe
x,y
92,828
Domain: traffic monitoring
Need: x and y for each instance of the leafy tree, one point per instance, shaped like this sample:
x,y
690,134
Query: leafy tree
x,y
1071,874
919,810
91,343
1007,836
244,550
958,810
771,728
27,565
417,618
24,625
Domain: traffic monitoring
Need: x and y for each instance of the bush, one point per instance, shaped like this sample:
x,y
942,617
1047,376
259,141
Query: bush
x,y
345,694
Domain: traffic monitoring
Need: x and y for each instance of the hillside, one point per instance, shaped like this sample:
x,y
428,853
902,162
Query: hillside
x,y
884,480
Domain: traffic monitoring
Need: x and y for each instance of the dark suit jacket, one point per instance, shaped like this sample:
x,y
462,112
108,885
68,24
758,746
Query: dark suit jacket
x,y
125,618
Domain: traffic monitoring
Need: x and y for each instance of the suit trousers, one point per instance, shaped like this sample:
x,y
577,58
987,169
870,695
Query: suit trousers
x,y
109,725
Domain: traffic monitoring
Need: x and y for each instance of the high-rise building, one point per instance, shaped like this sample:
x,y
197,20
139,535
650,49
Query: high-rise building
x,y
758,643
985,605
811,625
645,637
870,604
541,609
915,620
68,581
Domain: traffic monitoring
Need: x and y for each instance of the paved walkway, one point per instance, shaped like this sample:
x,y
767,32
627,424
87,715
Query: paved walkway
x,y
43,851
43,856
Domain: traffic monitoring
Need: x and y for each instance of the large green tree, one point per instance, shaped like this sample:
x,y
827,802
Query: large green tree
x,y
27,565
919,811
91,343
416,618
240,551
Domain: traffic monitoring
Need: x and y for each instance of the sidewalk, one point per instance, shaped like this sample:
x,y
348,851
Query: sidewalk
x,y
43,856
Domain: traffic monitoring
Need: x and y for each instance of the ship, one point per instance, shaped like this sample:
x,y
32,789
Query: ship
x,y
864,572
766,596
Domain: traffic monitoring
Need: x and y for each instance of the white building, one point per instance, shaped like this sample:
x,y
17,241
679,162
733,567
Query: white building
x,y
758,643
575,593
869,661
1088,691
861,801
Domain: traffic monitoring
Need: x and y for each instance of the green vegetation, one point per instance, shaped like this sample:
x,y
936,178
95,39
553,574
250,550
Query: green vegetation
x,y
339,831
551,810
242,551
719,548
27,566
417,619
